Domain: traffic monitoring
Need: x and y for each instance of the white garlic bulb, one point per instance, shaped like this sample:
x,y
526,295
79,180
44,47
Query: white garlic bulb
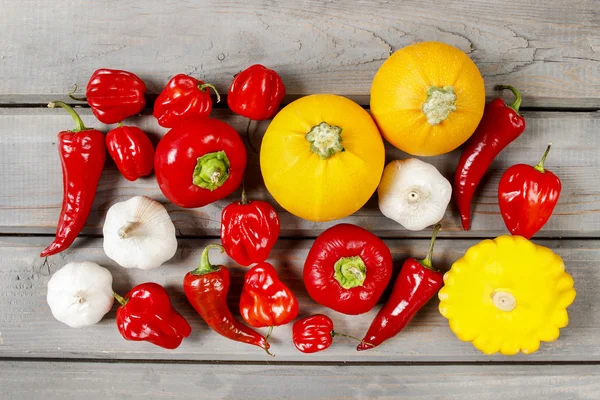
x,y
413,193
138,233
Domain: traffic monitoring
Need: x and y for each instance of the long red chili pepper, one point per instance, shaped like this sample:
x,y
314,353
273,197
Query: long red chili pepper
x,y
527,196
131,149
82,155
206,289
500,125
417,283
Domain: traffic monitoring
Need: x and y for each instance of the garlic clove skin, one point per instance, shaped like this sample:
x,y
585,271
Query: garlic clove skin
x,y
138,233
413,193
80,294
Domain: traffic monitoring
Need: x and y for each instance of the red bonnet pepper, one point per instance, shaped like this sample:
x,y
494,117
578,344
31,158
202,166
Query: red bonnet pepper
x,y
82,155
527,196
256,93
146,314
131,150
500,125
184,97
347,269
315,333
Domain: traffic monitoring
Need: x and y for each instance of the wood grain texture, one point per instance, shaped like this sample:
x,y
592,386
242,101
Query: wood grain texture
x,y
31,194
550,50
27,328
54,380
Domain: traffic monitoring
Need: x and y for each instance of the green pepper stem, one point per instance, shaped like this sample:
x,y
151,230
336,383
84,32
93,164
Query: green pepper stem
x,y
426,262
204,86
517,103
76,98
540,165
205,266
244,200
79,126
334,334
120,299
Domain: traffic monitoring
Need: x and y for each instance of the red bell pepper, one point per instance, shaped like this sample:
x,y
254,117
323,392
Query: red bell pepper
x,y
500,125
249,229
198,162
183,98
417,283
115,95
347,269
206,289
265,300
82,155
256,93
146,314
131,150
527,196
315,333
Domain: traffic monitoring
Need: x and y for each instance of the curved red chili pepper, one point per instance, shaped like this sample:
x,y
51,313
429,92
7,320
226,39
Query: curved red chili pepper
x,y
82,155
131,150
256,93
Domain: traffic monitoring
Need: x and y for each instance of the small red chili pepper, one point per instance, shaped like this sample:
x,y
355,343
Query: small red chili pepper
x,y
249,229
146,314
82,155
417,283
184,97
347,269
315,333
527,196
256,93
114,95
500,125
265,300
200,161
206,289
131,150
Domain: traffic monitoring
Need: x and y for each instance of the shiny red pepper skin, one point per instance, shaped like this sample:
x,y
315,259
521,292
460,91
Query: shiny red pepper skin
x,y
131,150
206,289
312,334
82,155
527,196
500,125
179,153
249,229
256,93
265,300
344,242
417,283
115,95
184,97
146,314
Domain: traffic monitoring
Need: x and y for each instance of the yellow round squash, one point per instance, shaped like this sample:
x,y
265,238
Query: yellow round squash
x,y
427,98
322,157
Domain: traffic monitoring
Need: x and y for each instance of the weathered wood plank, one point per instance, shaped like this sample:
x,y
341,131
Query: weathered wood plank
x,y
40,380
31,194
550,50
27,328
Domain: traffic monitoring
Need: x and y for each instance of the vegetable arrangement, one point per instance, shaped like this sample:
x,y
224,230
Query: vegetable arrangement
x,y
322,158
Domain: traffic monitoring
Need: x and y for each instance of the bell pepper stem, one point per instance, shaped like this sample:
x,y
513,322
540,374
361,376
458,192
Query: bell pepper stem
x,y
79,126
211,171
71,95
517,103
120,299
204,86
540,165
334,334
205,266
426,262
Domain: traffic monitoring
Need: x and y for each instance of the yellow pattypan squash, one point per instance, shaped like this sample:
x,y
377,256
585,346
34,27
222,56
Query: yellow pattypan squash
x,y
506,295
322,157
427,98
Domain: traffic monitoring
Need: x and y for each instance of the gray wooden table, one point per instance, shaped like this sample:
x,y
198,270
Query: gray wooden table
x,y
550,50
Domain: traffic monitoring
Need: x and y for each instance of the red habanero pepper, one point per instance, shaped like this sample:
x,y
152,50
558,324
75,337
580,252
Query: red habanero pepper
x,y
115,95
347,269
206,289
417,283
183,97
131,150
249,229
527,196
265,300
82,155
500,125
200,161
146,314
315,333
